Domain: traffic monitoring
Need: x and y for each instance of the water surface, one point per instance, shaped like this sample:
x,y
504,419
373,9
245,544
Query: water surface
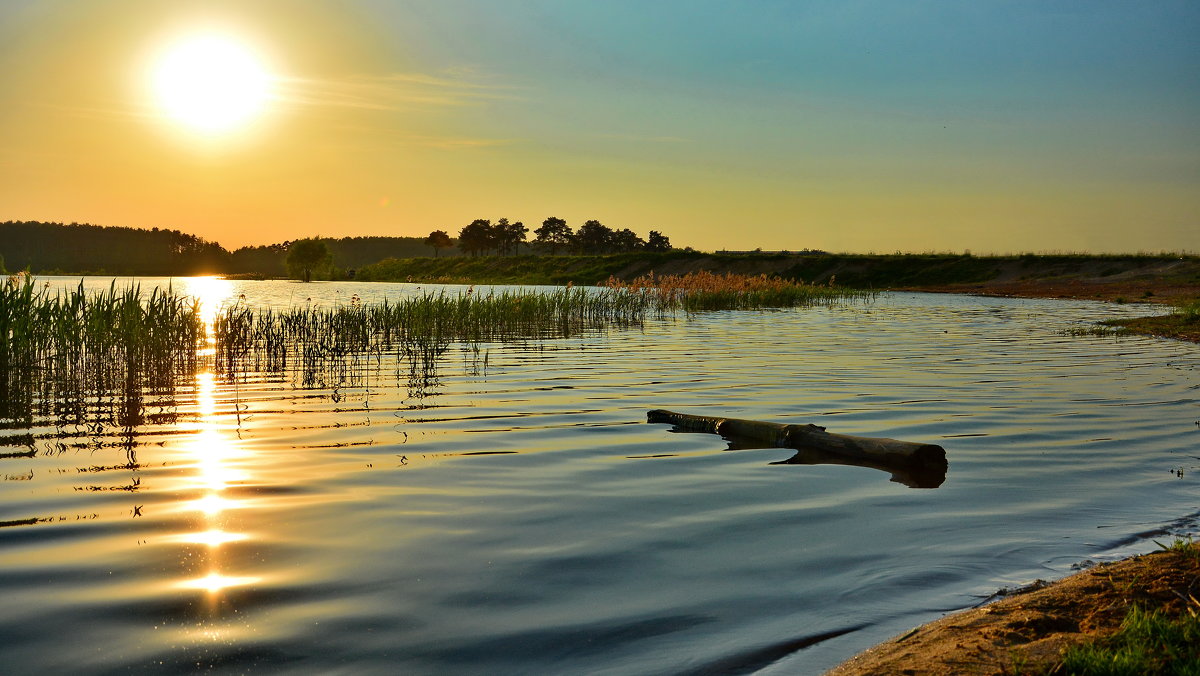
x,y
513,512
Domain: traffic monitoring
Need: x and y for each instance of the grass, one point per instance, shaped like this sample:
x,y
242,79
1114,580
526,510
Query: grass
x,y
314,339
1148,643
69,345
1182,323
72,344
698,291
549,270
1155,639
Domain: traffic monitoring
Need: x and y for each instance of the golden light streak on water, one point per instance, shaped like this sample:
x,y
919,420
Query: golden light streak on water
x,y
211,294
216,457
214,582
211,538
211,505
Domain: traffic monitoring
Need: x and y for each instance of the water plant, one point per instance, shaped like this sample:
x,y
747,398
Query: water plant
x,y
68,346
71,350
698,291
322,344
1183,322
1148,642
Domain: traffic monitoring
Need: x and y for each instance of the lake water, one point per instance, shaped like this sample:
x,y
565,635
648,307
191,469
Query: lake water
x,y
516,514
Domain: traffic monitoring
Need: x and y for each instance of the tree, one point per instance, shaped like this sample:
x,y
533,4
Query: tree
x,y
658,242
627,240
554,234
306,257
438,239
508,236
477,237
593,238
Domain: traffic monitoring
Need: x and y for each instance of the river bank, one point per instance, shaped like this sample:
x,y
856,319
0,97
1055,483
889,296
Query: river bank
x,y
1028,630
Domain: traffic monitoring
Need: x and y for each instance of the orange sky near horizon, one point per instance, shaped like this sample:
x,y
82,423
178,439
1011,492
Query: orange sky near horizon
x,y
729,126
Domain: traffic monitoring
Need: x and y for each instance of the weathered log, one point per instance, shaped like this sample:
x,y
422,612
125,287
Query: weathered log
x,y
913,464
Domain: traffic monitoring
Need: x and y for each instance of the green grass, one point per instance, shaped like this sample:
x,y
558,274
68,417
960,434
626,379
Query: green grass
x,y
325,344
1183,323
550,270
868,271
74,344
1149,643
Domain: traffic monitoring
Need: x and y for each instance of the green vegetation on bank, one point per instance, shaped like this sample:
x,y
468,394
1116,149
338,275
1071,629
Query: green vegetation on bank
x,y
47,248
554,270
1153,639
868,271
1149,643
1183,323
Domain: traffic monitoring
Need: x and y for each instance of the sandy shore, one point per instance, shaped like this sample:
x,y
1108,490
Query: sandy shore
x,y
1025,632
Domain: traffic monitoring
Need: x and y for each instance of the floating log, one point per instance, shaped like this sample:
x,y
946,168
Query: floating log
x,y
912,464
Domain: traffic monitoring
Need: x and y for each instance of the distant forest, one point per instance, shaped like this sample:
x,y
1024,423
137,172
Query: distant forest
x,y
49,248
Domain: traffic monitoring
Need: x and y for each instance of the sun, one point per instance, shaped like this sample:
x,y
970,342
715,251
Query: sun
x,y
211,83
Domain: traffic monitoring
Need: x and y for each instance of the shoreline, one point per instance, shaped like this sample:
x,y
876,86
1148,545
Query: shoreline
x,y
1026,632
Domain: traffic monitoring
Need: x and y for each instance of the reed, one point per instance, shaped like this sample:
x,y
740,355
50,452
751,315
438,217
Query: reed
x,y
56,346
63,347
701,291
323,344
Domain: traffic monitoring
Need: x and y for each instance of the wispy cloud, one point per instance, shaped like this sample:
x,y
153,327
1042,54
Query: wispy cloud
x,y
393,91
646,139
457,143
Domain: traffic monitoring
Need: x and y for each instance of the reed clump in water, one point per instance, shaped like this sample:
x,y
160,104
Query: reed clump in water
x,y
72,345
322,344
699,291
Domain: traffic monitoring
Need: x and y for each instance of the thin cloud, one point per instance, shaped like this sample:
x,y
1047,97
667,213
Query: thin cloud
x,y
647,139
457,143
390,92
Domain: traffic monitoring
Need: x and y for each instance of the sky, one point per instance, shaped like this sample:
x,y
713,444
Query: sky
x,y
994,126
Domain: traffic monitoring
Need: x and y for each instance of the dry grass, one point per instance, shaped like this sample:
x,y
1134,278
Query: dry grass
x,y
697,291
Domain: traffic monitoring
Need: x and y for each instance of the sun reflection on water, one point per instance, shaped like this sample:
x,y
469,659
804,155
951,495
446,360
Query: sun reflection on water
x,y
211,294
214,451
214,582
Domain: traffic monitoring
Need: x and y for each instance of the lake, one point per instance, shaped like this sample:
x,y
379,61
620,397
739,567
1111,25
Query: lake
x,y
510,511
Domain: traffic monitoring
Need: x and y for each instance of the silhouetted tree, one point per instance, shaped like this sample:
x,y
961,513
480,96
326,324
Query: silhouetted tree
x,y
82,247
658,242
477,237
438,239
625,240
509,236
593,237
307,257
553,235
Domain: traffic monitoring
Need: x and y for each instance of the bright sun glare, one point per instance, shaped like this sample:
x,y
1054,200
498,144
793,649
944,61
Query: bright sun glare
x,y
211,83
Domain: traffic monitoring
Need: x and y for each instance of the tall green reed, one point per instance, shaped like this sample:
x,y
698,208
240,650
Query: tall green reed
x,y
67,346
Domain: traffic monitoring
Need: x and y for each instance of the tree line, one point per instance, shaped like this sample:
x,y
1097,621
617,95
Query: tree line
x,y
79,248
481,236
48,247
